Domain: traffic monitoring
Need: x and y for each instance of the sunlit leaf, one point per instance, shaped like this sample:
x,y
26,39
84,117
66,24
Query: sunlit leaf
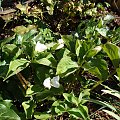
x,y
92,52
71,98
66,66
16,66
97,67
113,53
81,112
42,116
28,108
6,112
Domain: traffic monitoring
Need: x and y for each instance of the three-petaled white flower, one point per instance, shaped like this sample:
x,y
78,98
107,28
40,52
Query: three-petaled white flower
x,y
48,82
40,47
61,44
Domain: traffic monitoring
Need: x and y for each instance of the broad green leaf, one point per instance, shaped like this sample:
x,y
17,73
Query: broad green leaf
x,y
92,52
62,52
60,109
81,112
113,53
29,35
82,47
112,114
28,108
9,48
41,116
57,103
85,94
97,67
69,42
49,93
71,98
6,113
66,66
47,60
16,66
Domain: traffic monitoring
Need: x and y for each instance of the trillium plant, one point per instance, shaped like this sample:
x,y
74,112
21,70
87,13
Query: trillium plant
x,y
55,72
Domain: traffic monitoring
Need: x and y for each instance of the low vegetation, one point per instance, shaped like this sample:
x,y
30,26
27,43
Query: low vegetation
x,y
60,60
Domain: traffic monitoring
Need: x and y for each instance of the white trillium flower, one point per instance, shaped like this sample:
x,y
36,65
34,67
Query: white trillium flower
x,y
40,47
53,82
47,83
76,35
60,41
61,44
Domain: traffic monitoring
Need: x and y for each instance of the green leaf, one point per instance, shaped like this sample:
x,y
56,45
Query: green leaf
x,y
9,48
47,60
82,47
11,51
105,104
29,35
6,113
85,94
81,112
69,41
113,53
97,67
71,98
112,92
33,89
62,52
60,109
66,66
49,93
16,66
112,114
92,52
28,108
42,116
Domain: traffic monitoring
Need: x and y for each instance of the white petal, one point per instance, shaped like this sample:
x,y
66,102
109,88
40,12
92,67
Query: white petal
x,y
47,83
40,47
76,34
55,82
60,41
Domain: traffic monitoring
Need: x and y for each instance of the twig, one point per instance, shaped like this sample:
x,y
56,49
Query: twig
x,y
23,81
